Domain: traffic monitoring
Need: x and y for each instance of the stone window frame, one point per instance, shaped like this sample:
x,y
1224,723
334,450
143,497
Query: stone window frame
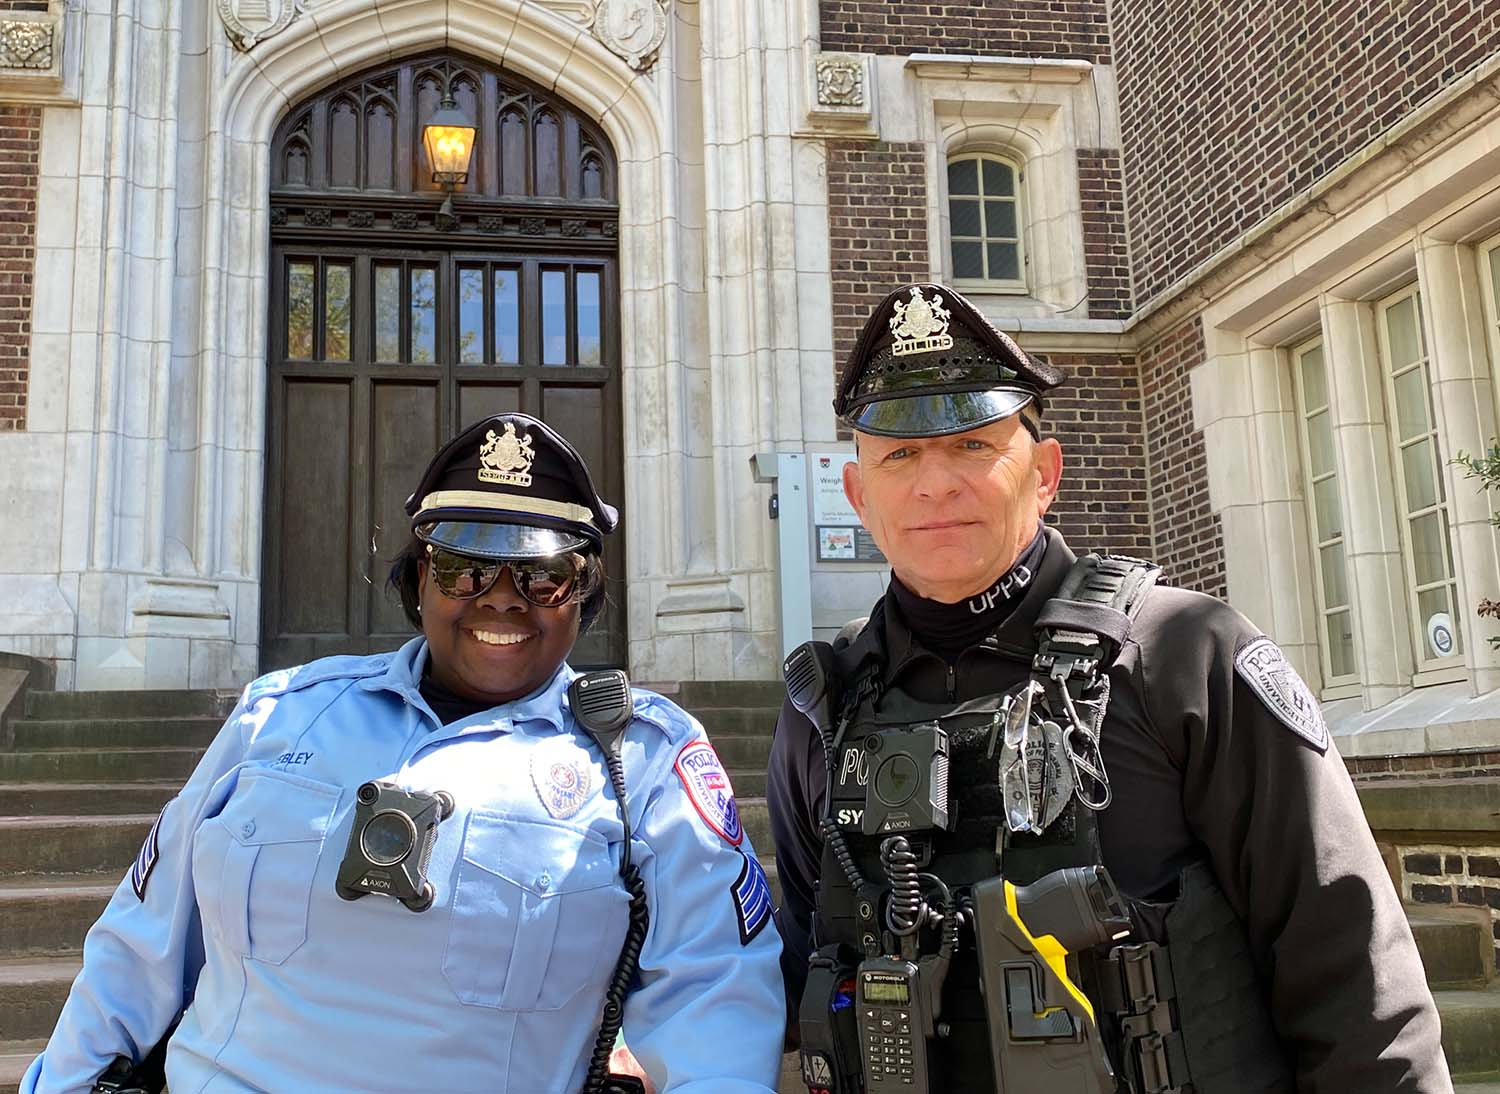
x,y
1335,685
1428,669
1017,167
1487,253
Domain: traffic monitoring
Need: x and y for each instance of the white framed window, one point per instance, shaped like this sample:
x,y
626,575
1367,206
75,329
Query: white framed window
x,y
1322,482
1489,276
985,223
1421,499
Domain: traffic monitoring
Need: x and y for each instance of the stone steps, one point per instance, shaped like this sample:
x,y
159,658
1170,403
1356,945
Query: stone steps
x,y
83,799
124,733
50,915
111,705
32,992
99,765
15,1058
1456,945
70,845
1471,1030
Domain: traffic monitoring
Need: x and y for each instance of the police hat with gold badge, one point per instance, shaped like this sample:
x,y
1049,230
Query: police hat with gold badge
x,y
510,486
928,363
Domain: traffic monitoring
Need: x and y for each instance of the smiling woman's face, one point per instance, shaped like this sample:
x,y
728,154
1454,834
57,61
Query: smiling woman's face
x,y
952,513
498,646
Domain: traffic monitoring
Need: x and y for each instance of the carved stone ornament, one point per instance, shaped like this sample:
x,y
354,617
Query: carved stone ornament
x,y
252,21
25,44
634,29
841,80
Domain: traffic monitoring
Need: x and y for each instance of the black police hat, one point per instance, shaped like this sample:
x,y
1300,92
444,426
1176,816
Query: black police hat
x,y
509,486
928,363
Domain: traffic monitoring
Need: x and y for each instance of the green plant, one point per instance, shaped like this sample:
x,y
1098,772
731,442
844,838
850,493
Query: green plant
x,y
1486,469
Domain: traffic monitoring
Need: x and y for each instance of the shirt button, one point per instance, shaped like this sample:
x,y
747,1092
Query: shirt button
x,y
247,829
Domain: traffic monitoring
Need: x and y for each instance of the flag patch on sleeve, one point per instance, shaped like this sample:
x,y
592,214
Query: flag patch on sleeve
x,y
752,899
707,785
145,861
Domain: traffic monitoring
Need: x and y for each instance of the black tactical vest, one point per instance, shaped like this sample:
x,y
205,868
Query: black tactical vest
x,y
1195,964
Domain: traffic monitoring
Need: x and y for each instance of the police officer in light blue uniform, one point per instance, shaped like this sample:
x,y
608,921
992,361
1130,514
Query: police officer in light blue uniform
x,y
236,916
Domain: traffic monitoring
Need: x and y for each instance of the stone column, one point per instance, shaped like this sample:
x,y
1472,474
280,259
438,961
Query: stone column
x,y
1463,401
1372,539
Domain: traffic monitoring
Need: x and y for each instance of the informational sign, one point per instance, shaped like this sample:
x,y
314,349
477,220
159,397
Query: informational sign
x,y
840,536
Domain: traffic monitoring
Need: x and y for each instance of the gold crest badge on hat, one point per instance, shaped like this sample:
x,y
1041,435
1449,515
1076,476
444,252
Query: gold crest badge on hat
x,y
920,325
506,459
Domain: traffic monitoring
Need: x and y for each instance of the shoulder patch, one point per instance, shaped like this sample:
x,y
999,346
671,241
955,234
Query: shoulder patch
x,y
145,859
707,785
1262,665
751,893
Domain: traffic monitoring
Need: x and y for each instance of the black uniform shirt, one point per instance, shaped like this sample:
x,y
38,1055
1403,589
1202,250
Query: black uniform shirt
x,y
1202,770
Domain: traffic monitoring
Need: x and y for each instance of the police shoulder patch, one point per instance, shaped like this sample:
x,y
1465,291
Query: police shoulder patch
x,y
145,859
1262,665
751,893
707,785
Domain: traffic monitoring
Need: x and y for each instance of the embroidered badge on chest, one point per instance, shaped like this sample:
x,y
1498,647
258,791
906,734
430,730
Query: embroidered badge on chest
x,y
708,787
563,780
1263,666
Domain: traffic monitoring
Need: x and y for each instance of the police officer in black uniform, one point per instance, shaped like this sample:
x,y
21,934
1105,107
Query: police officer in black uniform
x,y
1091,717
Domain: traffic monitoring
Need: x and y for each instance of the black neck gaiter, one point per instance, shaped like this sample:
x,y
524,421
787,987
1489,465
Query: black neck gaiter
x,y
949,628
445,704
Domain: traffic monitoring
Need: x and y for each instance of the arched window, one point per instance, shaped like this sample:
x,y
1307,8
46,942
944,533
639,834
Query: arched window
x,y
984,222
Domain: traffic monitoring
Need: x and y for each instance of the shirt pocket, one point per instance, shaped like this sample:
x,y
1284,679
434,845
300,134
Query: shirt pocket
x,y
254,863
537,915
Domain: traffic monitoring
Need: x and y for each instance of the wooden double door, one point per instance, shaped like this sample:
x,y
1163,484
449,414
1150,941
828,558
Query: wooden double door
x,y
377,357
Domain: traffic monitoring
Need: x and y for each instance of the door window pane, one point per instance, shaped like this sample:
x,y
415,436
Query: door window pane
x,y
1404,330
589,331
423,316
1005,262
338,294
1421,475
471,315
963,177
1320,443
1429,557
968,259
1341,643
508,316
1314,380
387,313
1411,404
1000,219
1335,591
1326,505
999,179
301,290
964,217
554,317
1438,624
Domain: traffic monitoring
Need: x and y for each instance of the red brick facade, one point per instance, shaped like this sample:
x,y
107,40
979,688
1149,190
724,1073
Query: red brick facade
x,y
1262,106
1189,539
1105,501
1021,28
20,139
1106,256
877,228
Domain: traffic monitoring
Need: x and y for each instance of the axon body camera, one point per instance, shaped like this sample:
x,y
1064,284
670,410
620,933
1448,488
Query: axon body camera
x,y
391,843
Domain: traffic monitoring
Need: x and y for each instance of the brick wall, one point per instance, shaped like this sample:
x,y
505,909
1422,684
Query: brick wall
x,y
877,229
1261,106
1189,540
20,138
1426,765
1020,28
1106,257
1104,502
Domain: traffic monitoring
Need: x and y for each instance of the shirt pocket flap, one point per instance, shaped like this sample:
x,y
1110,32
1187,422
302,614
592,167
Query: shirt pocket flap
x,y
545,859
275,807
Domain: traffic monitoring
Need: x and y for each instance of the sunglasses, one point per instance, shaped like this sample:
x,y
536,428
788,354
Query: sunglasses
x,y
546,582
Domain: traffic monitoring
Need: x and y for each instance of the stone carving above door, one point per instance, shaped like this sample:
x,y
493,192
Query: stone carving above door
x,y
633,29
250,21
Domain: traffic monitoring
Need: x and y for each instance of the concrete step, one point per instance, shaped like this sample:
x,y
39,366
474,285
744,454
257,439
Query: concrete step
x,y
15,1058
70,845
1456,945
32,992
51,915
706,694
113,733
1481,1084
737,721
99,765
757,821
1471,1030
68,799
742,752
129,704
748,782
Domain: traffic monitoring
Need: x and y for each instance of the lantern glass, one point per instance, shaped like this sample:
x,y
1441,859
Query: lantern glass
x,y
449,138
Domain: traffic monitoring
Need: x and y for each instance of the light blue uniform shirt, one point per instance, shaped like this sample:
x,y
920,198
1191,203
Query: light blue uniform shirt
x,y
500,984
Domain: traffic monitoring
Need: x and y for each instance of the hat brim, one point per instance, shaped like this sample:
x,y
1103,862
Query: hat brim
x,y
938,415
493,540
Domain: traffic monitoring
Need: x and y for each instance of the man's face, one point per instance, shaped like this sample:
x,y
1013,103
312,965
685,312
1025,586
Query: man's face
x,y
952,513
